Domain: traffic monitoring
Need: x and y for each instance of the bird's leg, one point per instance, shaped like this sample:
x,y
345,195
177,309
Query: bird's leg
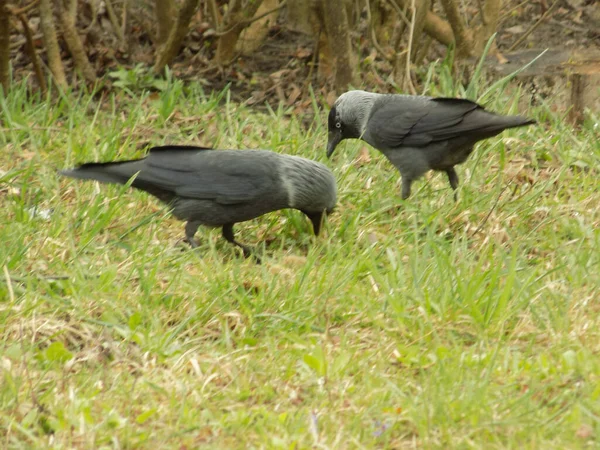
x,y
190,230
406,182
228,235
453,179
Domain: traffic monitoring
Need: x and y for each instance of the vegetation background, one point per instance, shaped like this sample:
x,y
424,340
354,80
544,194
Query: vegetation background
x,y
417,324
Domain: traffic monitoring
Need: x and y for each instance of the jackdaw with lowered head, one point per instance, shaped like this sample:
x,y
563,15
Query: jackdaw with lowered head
x,y
219,188
416,133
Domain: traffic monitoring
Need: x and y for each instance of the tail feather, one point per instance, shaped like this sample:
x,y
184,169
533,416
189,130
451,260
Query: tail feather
x,y
112,172
517,121
498,126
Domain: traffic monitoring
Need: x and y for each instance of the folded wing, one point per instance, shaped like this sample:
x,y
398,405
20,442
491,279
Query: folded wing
x,y
225,176
412,124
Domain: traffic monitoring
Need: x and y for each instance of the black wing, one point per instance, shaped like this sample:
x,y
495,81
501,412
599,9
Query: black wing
x,y
420,122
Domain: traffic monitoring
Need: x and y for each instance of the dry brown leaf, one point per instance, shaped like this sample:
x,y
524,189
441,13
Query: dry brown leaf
x,y
584,432
363,157
294,94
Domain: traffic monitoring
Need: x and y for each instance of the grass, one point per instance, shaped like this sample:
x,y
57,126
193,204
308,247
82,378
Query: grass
x,y
417,324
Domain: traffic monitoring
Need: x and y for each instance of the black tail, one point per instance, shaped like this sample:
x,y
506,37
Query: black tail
x,y
516,121
111,172
486,124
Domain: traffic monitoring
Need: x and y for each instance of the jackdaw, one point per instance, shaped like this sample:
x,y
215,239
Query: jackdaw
x,y
219,188
416,133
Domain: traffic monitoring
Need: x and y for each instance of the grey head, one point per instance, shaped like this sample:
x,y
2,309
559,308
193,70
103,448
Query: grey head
x,y
349,116
310,186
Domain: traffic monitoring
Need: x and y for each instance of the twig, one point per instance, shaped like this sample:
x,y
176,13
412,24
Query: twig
x,y
114,21
400,12
246,22
408,79
214,9
22,10
533,27
373,35
508,13
94,8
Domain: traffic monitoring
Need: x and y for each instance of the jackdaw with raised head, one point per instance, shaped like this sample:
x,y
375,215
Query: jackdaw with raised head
x,y
416,133
219,188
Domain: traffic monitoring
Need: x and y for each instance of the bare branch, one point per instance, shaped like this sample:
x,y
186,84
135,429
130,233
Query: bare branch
x,y
30,49
24,9
234,19
51,44
244,23
114,22
407,77
534,26
74,43
378,47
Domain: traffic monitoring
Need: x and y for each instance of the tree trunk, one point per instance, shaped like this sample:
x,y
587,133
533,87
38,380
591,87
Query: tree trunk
x,y
252,37
233,24
4,47
422,8
165,18
464,44
300,16
30,50
67,18
51,44
338,37
490,14
438,29
179,30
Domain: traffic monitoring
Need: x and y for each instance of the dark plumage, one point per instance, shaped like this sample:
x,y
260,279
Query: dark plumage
x,y
416,133
219,188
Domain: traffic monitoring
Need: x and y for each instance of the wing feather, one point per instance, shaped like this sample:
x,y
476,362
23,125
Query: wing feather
x,y
416,124
225,176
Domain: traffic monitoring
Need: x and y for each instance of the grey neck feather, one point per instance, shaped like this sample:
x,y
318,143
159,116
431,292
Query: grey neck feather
x,y
354,107
309,184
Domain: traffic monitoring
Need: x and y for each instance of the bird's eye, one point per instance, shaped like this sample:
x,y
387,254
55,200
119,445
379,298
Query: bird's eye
x,y
338,125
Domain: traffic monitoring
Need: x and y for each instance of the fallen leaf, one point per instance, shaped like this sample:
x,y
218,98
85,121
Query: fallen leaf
x,y
517,29
584,432
363,157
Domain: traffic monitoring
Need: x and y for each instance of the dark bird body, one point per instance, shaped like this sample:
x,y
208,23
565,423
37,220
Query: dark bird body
x,y
219,188
416,133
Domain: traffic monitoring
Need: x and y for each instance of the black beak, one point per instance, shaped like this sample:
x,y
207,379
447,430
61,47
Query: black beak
x,y
316,219
333,140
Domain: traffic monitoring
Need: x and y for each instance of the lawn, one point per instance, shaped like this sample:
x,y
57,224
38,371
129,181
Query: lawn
x,y
407,324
